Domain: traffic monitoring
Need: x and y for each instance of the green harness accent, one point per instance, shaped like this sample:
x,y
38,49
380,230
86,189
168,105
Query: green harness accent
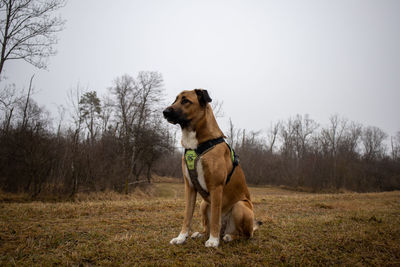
x,y
233,155
192,156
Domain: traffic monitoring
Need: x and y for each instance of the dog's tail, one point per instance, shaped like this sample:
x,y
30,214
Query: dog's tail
x,y
257,224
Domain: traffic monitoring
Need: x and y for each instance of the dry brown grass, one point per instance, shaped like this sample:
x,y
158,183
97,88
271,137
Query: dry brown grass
x,y
299,229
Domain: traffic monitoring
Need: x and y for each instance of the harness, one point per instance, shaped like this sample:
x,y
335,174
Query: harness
x,y
192,156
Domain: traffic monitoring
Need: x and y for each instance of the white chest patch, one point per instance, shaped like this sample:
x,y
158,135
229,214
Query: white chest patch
x,y
200,175
187,176
189,140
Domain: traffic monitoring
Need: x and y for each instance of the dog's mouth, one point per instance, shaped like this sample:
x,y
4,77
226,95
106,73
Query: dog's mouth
x,y
176,117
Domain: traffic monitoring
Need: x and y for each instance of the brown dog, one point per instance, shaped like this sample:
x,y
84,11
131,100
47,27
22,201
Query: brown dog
x,y
227,209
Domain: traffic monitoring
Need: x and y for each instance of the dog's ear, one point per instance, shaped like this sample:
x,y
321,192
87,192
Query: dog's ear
x,y
203,97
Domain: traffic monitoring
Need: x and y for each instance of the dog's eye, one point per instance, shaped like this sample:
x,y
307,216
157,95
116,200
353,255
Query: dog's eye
x,y
185,101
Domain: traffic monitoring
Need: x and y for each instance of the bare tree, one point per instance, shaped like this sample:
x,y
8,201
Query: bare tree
x,y
61,114
272,135
136,103
372,139
217,108
333,135
28,30
106,112
149,85
331,139
24,121
9,98
395,144
351,139
232,134
304,127
287,135
74,97
123,91
296,135
126,95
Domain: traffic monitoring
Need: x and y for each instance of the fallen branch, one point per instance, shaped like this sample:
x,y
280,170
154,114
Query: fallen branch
x,y
138,182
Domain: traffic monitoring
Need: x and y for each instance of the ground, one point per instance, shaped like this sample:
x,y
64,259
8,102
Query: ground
x,y
110,229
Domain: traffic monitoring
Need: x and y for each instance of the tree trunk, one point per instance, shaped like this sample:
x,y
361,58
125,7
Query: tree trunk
x,y
8,121
148,174
5,40
24,119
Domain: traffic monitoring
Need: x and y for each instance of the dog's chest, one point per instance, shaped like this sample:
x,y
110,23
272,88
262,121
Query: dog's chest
x,y
200,176
189,141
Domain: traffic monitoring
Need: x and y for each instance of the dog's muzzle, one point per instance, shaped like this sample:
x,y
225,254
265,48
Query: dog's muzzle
x,y
175,116
170,114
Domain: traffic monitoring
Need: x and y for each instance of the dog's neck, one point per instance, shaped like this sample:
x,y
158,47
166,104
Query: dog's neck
x,y
205,129
189,140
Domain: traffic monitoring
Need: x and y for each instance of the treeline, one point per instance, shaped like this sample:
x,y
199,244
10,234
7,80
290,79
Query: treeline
x,y
113,143
299,153
120,140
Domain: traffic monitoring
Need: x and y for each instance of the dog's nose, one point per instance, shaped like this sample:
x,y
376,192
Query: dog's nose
x,y
167,112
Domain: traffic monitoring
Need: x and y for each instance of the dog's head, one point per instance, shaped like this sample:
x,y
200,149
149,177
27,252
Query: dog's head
x,y
187,107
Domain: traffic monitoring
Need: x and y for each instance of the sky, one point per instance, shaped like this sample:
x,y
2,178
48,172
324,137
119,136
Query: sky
x,y
266,60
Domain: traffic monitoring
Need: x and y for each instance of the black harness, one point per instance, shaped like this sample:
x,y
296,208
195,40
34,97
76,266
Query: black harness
x,y
192,156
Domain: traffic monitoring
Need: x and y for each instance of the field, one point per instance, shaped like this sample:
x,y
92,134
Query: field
x,y
109,229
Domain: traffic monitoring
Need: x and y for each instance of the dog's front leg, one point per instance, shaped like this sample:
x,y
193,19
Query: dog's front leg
x,y
190,202
215,220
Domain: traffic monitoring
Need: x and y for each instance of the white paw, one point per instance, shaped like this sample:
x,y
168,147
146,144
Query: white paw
x,y
212,242
227,238
180,239
196,235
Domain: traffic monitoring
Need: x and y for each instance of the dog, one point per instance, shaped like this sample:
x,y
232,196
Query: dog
x,y
226,208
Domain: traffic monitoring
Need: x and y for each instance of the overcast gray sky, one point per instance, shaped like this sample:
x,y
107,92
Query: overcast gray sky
x,y
266,60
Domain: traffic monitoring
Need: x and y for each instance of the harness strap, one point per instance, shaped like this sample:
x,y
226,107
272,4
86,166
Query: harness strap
x,y
195,181
192,156
235,162
207,145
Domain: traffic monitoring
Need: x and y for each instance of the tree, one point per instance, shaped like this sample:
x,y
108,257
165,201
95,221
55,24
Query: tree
x,y
272,134
28,30
287,135
9,99
106,113
296,136
149,87
348,146
332,136
395,144
217,108
373,142
90,108
74,97
136,107
304,128
123,90
232,134
331,139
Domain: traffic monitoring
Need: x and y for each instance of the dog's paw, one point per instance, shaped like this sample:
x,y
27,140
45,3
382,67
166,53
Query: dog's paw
x,y
196,235
227,238
180,239
212,242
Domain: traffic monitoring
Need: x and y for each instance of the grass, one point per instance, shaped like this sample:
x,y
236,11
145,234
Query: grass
x,y
109,229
